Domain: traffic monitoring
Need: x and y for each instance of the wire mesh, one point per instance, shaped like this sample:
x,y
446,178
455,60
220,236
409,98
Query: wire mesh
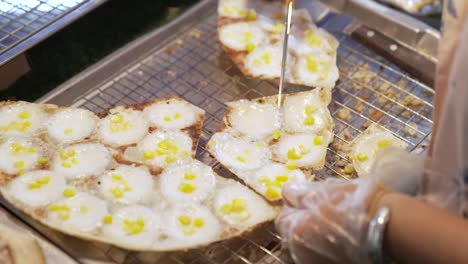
x,y
20,19
193,66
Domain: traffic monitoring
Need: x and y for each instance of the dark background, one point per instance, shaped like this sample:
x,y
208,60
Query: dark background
x,y
88,40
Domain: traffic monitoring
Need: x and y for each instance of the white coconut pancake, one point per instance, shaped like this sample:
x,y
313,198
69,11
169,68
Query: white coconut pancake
x,y
81,212
305,150
122,127
238,154
363,149
192,181
253,119
172,114
269,180
306,112
191,224
19,155
37,188
21,119
240,207
162,148
242,36
232,9
134,226
265,62
251,32
127,184
80,160
71,125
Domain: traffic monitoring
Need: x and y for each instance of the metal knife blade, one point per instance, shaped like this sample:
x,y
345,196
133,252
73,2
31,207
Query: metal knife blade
x,y
288,21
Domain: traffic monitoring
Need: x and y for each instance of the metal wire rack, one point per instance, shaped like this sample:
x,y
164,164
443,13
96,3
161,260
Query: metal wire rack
x,y
193,66
21,19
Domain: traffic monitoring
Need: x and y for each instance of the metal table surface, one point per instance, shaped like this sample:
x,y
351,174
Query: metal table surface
x,y
184,59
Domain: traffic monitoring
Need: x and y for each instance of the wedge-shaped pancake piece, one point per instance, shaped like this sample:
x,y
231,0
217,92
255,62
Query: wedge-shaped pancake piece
x,y
250,31
186,206
365,147
267,146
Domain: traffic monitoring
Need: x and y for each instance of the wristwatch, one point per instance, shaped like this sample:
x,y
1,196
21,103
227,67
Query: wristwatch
x,y
375,235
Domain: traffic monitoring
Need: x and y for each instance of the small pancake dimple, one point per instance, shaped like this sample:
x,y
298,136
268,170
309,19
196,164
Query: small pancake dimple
x,y
71,125
191,224
81,212
256,120
363,149
135,226
19,155
127,184
162,148
122,127
80,160
172,114
37,188
190,182
21,119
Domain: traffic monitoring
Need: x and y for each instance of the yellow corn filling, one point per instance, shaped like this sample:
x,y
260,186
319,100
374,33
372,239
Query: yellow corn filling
x,y
238,206
312,65
68,131
384,143
190,227
18,164
44,180
251,14
318,140
362,157
189,176
118,123
107,219
68,158
177,116
260,144
241,159
249,46
309,109
212,143
309,121
19,148
148,154
24,115
292,154
312,39
133,226
62,210
349,169
43,160
22,126
187,188
291,165
276,134
122,187
272,193
68,192
264,59
84,209
279,27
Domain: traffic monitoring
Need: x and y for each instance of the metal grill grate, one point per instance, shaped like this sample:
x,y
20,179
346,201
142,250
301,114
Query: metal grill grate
x,y
20,19
194,67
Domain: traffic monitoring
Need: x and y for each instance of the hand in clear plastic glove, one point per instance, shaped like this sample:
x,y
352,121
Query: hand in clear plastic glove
x,y
326,222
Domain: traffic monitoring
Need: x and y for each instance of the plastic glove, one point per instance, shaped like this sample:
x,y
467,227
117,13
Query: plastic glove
x,y
327,222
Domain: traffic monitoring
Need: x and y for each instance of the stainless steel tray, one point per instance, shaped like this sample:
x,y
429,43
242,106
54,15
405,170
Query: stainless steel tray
x,y
184,59
24,23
